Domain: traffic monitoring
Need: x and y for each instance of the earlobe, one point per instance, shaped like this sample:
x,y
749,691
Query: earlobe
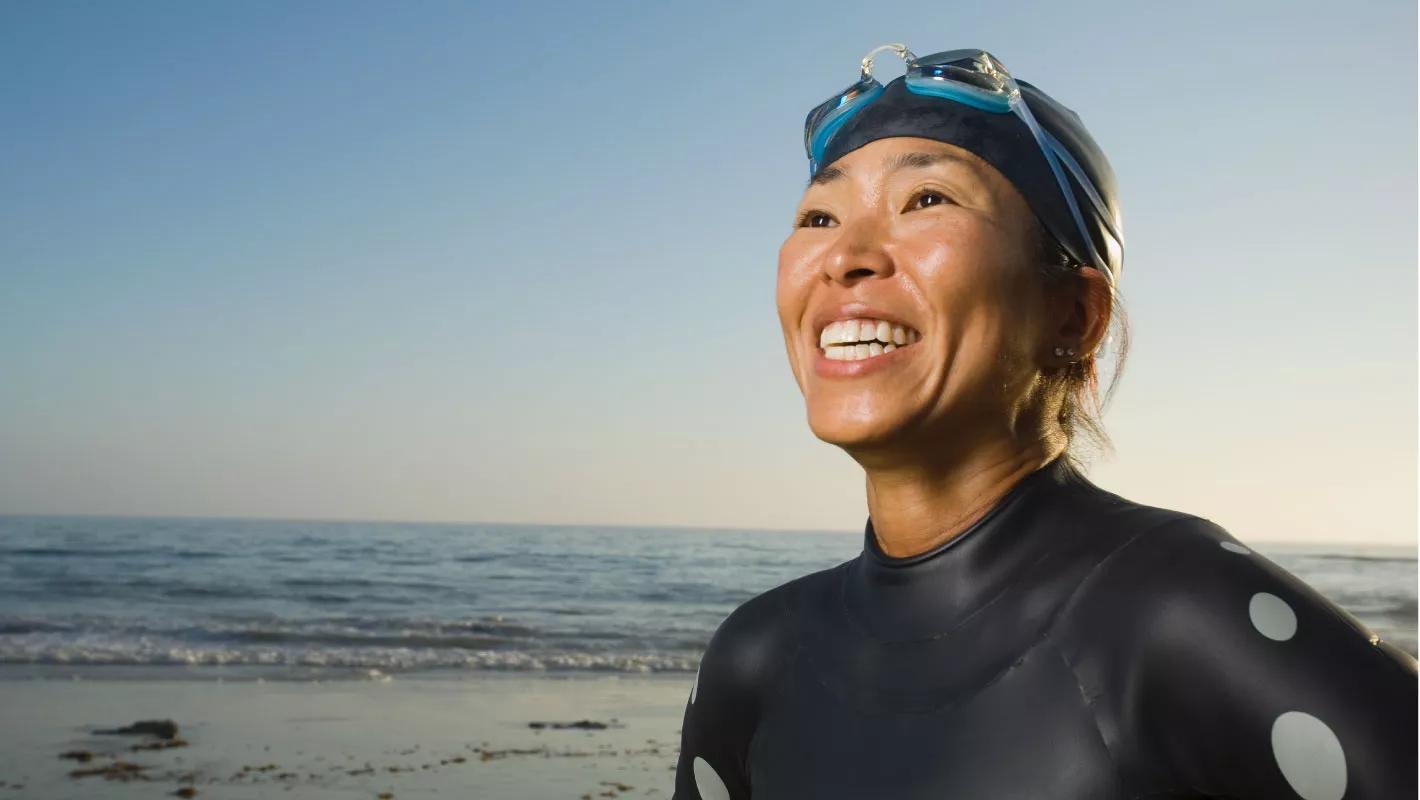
x,y
1083,312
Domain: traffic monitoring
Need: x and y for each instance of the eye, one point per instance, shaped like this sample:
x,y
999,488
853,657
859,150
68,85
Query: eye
x,y
812,219
927,195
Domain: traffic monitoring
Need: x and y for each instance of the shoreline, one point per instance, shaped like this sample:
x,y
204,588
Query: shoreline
x,y
281,673
460,734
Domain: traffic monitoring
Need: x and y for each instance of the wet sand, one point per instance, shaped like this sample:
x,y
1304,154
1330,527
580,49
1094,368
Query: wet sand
x,y
464,735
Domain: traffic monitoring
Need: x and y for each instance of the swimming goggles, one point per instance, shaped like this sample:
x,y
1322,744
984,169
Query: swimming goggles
x,y
976,79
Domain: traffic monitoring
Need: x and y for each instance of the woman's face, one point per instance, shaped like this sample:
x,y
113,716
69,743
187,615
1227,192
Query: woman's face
x,y
926,236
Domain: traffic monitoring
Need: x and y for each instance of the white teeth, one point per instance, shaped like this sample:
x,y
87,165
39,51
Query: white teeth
x,y
857,352
852,331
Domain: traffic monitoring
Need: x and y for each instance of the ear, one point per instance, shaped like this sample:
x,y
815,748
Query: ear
x,y
1081,312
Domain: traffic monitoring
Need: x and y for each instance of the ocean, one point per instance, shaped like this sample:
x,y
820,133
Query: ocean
x,y
300,600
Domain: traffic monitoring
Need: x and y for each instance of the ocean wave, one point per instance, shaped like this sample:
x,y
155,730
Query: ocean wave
x,y
333,639
16,627
346,629
388,660
328,599
198,555
383,584
76,552
1409,560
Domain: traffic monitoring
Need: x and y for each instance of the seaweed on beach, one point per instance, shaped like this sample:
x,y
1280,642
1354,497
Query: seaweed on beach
x,y
114,771
161,728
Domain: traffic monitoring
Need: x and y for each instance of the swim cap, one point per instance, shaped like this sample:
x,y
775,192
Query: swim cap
x,y
1005,142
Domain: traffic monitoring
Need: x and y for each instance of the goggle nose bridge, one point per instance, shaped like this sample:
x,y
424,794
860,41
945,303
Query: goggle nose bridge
x,y
901,50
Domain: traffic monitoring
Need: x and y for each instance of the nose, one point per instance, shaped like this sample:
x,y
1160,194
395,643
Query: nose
x,y
857,253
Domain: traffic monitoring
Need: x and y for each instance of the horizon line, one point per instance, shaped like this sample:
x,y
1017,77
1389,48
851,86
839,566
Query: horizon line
x,y
1414,545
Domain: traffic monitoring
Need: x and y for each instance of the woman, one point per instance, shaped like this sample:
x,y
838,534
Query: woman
x,y
1010,629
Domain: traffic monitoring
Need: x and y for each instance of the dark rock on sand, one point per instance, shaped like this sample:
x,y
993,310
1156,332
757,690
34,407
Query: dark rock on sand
x,y
161,728
583,724
186,791
78,755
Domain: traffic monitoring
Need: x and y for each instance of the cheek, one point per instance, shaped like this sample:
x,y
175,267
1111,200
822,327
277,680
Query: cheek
x,y
794,277
969,272
795,255
958,262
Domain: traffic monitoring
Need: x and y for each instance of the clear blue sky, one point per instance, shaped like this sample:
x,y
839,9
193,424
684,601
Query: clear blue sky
x,y
516,262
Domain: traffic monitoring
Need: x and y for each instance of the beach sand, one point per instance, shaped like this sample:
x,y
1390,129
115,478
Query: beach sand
x,y
422,736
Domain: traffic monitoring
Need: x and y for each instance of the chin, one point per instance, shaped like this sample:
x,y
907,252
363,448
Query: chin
x,y
860,428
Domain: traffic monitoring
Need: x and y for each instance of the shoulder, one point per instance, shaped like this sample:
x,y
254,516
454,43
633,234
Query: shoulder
x,y
742,663
1189,577
1198,652
1189,581
752,643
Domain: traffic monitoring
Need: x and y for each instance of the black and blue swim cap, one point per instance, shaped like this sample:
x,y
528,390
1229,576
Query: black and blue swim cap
x,y
1007,143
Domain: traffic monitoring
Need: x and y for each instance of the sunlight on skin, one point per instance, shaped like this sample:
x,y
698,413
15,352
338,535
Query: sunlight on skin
x,y
943,242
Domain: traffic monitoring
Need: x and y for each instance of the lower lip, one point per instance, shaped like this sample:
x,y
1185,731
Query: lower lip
x,y
826,367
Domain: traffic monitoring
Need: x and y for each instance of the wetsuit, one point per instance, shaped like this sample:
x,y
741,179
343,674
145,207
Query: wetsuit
x,y
1069,644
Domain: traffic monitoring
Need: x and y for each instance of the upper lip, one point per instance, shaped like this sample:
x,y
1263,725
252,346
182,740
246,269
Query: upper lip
x,y
854,310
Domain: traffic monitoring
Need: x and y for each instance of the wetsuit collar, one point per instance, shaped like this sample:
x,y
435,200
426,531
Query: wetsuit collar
x,y
896,598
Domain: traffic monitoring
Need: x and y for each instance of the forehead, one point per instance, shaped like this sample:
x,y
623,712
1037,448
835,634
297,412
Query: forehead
x,y
881,158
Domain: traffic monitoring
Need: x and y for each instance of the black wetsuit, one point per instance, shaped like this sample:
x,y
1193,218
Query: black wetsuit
x,y
1069,644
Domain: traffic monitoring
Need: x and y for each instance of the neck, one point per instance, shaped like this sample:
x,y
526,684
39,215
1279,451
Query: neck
x,y
918,506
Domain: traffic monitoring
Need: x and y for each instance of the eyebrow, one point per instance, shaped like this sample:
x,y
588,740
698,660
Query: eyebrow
x,y
916,160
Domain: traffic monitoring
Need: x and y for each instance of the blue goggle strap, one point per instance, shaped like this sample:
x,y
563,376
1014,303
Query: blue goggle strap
x,y
1018,105
1088,185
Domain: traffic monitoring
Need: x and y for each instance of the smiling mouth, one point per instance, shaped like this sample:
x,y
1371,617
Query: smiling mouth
x,y
857,339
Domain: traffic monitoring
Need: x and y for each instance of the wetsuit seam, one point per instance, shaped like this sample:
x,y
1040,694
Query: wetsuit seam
x,y
1094,715
1064,612
1099,567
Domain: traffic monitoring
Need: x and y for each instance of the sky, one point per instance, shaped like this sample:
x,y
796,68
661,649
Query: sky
x,y
516,262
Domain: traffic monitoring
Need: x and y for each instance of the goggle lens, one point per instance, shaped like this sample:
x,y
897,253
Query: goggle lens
x,y
830,115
